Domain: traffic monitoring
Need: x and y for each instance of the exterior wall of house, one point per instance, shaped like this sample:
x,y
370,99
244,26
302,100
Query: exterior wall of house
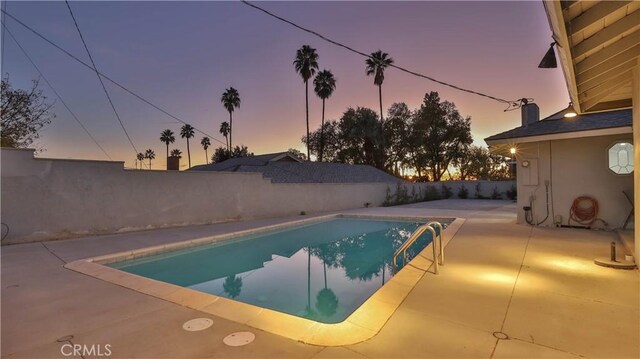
x,y
573,168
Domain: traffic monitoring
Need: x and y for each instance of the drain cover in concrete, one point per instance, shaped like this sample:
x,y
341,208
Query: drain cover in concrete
x,y
195,325
239,339
500,335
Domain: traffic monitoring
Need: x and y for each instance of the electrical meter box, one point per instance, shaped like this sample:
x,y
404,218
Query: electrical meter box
x,y
528,171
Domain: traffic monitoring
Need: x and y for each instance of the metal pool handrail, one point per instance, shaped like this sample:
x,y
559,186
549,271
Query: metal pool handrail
x,y
441,228
414,236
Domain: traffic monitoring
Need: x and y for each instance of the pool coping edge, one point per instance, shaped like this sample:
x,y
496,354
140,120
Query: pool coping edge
x,y
357,327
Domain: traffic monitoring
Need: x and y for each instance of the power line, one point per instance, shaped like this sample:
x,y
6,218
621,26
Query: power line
x,y
55,92
100,79
512,104
131,92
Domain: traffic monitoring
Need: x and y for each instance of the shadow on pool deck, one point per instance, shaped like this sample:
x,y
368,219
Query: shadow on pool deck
x,y
539,286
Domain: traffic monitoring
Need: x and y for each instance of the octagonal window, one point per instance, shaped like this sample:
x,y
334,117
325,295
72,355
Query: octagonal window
x,y
621,158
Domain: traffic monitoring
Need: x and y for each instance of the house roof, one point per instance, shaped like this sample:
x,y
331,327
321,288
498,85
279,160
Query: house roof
x,y
302,172
260,160
598,48
557,124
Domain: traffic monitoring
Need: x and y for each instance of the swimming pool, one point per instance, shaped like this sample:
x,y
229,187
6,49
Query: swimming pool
x,y
321,271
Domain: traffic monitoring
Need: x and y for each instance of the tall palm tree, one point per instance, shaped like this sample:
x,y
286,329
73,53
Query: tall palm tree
x,y
187,131
140,158
176,153
206,142
306,64
224,131
324,85
231,100
376,64
150,155
167,137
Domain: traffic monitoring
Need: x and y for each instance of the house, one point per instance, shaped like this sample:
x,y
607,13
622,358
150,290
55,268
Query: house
x,y
598,45
283,167
560,159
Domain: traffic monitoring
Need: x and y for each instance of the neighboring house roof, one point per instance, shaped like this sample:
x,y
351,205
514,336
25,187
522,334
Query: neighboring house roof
x,y
557,124
260,160
284,171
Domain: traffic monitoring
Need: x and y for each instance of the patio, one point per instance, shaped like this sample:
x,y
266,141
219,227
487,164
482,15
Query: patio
x,y
537,285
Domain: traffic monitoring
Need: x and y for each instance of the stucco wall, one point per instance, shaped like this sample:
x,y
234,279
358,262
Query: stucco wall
x,y
54,198
573,167
45,198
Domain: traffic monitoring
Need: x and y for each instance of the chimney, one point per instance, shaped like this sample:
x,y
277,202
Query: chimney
x,y
530,114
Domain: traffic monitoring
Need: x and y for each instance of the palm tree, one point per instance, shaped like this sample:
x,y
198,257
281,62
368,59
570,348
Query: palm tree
x,y
231,100
176,153
205,142
167,137
150,155
306,64
376,64
187,131
140,158
224,131
324,85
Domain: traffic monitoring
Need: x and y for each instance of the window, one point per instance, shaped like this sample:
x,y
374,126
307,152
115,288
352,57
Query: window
x,y
621,158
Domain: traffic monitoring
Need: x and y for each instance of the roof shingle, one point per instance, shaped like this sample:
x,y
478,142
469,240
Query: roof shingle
x,y
556,123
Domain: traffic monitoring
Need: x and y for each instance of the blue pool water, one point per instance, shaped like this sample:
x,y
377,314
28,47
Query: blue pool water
x,y
321,271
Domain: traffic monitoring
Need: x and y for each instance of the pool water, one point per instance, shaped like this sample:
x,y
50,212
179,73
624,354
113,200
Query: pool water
x,y
321,271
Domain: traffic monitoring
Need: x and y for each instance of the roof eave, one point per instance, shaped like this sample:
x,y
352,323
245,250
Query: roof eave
x,y
561,136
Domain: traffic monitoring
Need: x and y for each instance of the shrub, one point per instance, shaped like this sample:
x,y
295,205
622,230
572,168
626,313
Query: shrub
x,y
387,198
495,194
431,194
512,193
402,194
446,191
477,194
463,192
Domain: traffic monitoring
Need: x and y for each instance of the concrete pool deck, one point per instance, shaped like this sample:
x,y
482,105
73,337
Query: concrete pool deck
x,y
537,285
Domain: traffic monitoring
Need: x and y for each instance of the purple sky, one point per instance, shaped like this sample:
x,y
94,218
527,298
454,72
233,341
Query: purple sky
x,y
183,55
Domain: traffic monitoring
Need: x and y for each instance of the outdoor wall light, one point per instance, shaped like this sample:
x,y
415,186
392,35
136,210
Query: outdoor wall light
x,y
512,150
549,59
570,111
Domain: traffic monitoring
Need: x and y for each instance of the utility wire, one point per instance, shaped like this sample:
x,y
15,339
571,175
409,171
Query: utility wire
x,y
139,97
56,92
4,19
512,104
100,79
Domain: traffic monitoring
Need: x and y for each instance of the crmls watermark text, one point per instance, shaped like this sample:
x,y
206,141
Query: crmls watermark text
x,y
83,350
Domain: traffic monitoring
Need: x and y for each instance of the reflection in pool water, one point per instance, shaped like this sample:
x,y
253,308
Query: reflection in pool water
x,y
321,271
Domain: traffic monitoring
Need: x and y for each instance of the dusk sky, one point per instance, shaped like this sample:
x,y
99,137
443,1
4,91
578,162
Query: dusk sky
x,y
182,55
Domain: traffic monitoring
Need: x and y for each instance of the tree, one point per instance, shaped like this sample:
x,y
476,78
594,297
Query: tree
x,y
479,163
324,85
376,64
396,132
167,137
140,157
150,155
298,154
187,131
205,142
222,154
439,135
360,137
331,141
176,153
230,100
23,113
224,131
306,64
